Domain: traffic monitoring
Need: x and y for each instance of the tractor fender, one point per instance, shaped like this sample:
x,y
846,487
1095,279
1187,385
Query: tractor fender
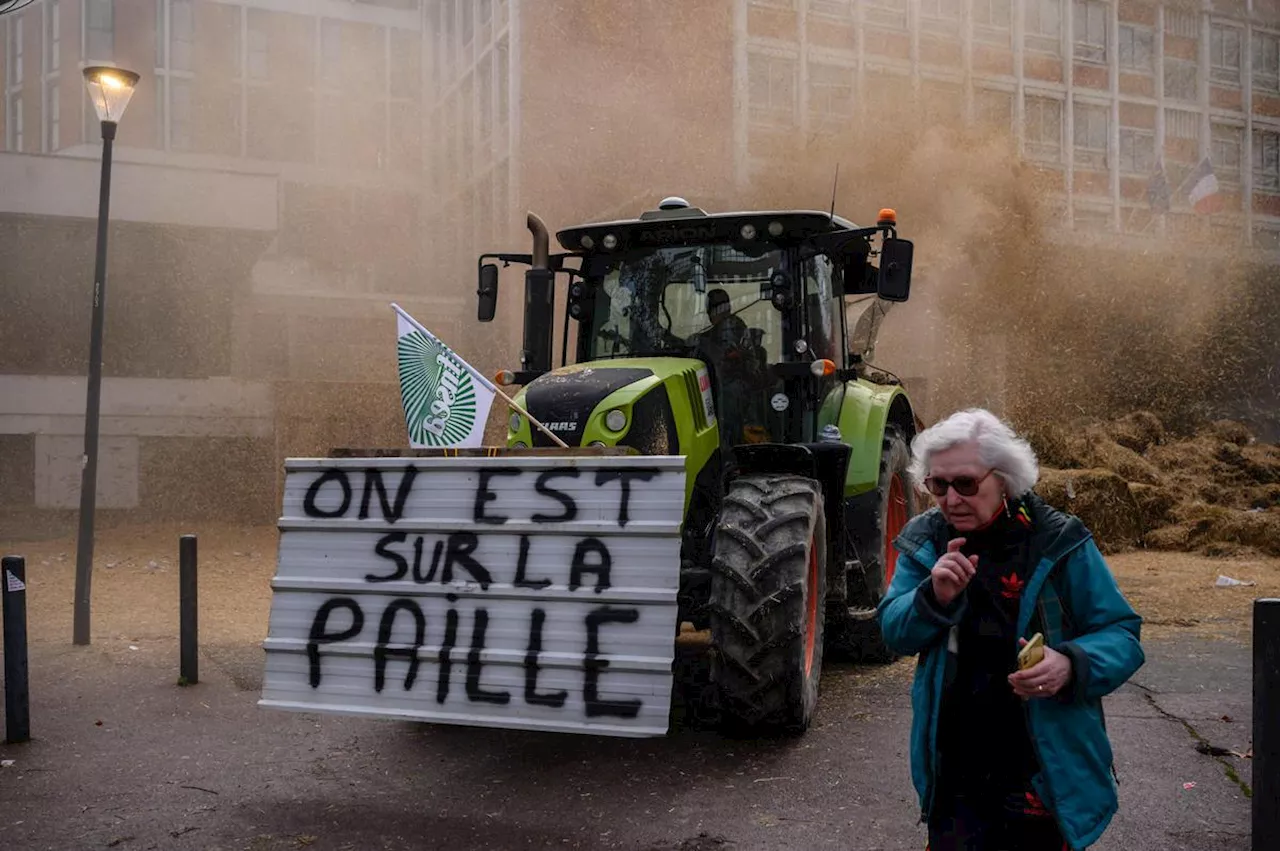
x,y
863,411
824,462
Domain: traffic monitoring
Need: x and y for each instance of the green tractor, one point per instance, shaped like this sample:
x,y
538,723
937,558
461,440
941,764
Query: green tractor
x,y
722,338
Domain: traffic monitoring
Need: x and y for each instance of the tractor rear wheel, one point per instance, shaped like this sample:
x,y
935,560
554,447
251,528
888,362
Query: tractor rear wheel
x,y
767,606
875,526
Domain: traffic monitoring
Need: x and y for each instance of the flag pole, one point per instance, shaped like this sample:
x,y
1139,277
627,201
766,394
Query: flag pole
x,y
486,382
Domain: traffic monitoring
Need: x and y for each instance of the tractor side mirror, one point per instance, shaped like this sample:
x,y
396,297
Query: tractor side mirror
x,y
487,293
894,282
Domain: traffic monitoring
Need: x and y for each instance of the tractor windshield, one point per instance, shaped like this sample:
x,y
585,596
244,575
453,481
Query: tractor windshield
x,y
670,300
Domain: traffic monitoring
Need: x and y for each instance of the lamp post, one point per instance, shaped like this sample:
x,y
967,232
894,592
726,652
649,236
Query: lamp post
x,y
109,90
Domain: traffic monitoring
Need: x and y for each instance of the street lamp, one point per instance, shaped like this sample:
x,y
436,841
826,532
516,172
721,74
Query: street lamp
x,y
109,90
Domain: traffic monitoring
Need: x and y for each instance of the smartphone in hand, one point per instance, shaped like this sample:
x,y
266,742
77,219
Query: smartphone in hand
x,y
1032,653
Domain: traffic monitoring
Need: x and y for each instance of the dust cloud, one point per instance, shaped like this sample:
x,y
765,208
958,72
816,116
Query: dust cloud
x,y
1014,311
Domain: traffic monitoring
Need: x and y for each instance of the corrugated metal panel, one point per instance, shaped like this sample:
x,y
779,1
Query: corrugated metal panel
x,y
524,592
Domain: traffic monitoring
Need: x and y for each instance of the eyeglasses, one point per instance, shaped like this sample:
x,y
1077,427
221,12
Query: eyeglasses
x,y
964,485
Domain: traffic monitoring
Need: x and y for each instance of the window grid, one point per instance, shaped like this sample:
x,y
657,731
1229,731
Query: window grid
x,y
1043,128
1137,151
1224,54
1266,62
1090,127
772,83
1043,24
1091,30
1226,143
1137,49
1266,160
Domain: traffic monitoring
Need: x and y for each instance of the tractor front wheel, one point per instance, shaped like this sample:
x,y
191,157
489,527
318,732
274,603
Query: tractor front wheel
x,y
767,606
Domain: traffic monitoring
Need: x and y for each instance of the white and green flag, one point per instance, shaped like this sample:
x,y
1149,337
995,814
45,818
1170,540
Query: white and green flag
x,y
446,402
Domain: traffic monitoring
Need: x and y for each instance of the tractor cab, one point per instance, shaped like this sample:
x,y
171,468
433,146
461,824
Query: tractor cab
x,y
756,298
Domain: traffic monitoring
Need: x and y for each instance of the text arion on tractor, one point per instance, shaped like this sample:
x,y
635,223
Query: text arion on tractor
x,y
723,338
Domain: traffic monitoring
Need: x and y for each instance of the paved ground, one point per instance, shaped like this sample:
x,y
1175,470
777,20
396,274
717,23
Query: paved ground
x,y
123,758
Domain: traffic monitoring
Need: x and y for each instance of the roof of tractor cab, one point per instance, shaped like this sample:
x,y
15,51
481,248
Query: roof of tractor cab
x,y
676,223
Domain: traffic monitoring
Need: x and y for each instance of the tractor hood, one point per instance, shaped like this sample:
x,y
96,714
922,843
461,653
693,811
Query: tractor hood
x,y
575,401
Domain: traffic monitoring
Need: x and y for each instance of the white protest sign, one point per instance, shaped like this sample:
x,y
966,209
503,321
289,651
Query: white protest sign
x,y
522,592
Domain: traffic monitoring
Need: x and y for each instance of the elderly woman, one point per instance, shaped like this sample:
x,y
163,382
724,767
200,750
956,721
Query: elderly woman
x,y
1004,758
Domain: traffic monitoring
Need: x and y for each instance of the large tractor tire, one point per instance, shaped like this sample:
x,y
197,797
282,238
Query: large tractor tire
x,y
875,525
767,607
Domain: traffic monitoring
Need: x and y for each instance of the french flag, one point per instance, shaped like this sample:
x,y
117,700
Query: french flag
x,y
1204,195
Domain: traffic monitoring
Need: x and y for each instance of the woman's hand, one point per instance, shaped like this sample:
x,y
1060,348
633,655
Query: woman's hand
x,y
951,573
1044,679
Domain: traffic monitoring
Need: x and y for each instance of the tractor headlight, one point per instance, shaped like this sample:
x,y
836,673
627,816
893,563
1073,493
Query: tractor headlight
x,y
610,241
519,444
599,444
515,422
748,231
615,420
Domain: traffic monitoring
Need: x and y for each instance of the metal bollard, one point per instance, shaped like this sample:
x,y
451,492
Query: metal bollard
x,y
17,696
188,612
1266,723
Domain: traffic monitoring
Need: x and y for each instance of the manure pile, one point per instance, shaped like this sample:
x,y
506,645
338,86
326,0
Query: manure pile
x,y
1135,483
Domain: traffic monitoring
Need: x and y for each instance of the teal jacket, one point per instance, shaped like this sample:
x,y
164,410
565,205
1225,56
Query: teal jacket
x,y
1072,598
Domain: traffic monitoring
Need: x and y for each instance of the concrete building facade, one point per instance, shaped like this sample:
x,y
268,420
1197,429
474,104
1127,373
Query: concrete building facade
x,y
265,209
1096,92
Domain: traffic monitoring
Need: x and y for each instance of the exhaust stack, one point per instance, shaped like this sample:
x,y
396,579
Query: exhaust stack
x,y
539,302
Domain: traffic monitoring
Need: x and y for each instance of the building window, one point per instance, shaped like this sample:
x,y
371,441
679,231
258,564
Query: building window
x,y
992,14
1224,55
993,109
257,66
841,10
1180,79
15,123
1136,49
1044,25
1043,128
1089,127
406,65
331,52
771,89
1266,160
942,15
179,114
99,30
1226,142
180,34
887,13
1091,30
1137,151
1092,219
16,42
52,117
53,56
830,92
1266,62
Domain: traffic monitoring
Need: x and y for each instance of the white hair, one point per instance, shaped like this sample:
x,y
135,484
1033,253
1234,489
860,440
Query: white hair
x,y
1000,449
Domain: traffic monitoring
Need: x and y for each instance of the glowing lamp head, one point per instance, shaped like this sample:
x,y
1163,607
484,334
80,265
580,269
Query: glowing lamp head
x,y
110,90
